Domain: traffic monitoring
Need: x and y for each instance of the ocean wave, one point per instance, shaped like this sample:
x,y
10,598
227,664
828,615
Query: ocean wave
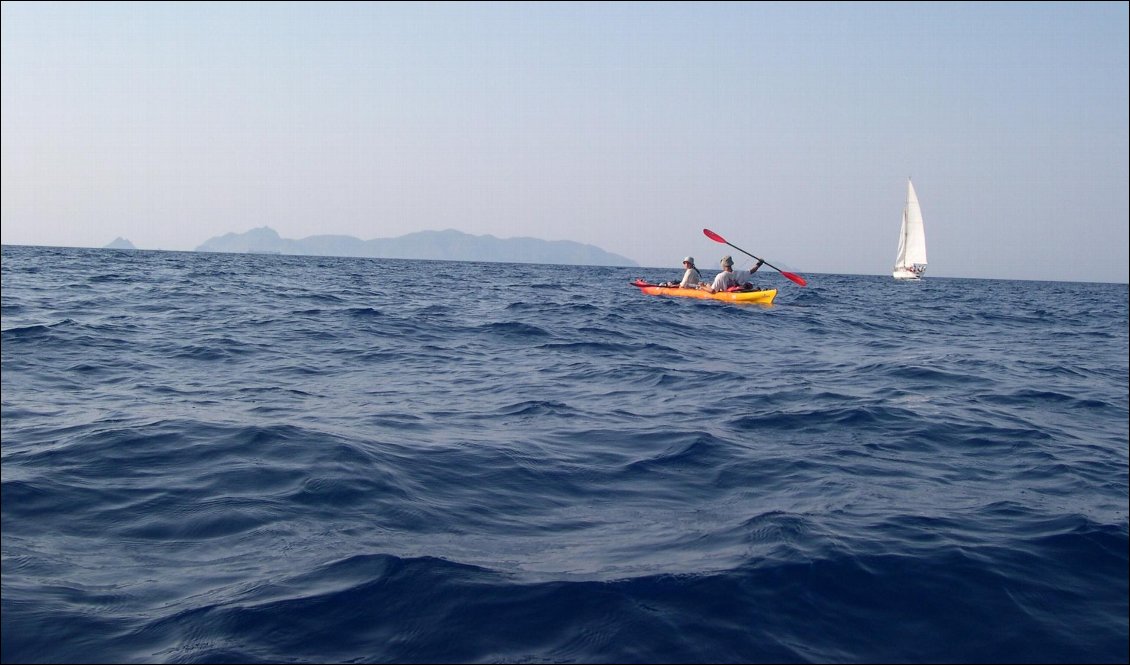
x,y
306,459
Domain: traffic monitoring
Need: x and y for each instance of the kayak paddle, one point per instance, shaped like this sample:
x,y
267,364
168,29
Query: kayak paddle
x,y
788,275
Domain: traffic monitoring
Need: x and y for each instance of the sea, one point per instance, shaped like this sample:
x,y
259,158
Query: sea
x,y
251,458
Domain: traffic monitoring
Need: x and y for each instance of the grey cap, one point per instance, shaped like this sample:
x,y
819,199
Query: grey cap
x,y
727,261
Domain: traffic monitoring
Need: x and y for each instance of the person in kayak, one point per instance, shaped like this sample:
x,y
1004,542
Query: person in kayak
x,y
725,279
744,276
691,276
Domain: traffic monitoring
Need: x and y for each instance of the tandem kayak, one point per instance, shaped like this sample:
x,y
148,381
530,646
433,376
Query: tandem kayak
x,y
760,296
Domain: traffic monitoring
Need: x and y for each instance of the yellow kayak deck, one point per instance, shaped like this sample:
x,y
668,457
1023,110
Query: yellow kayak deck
x,y
761,296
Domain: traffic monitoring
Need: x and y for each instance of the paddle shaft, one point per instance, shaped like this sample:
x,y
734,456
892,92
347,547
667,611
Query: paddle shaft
x,y
717,238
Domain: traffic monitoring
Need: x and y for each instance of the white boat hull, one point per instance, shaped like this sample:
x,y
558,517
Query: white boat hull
x,y
914,273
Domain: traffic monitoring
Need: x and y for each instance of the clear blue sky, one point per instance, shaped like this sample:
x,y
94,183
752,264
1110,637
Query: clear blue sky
x,y
789,128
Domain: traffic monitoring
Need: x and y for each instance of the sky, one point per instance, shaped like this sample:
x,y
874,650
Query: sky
x,y
790,129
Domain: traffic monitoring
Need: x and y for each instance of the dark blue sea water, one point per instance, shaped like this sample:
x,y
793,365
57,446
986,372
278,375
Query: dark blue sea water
x,y
249,458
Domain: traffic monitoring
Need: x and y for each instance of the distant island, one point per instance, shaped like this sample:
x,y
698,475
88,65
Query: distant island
x,y
120,243
449,245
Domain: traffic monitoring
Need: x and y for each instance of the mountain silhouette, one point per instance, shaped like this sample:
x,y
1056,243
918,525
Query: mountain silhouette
x,y
120,243
449,245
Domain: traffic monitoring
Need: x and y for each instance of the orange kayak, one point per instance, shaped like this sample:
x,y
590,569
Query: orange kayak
x,y
761,296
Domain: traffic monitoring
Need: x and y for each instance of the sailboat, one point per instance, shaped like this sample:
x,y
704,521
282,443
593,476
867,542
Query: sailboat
x,y
911,260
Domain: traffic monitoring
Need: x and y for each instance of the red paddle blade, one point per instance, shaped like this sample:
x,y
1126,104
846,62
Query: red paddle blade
x,y
714,236
796,278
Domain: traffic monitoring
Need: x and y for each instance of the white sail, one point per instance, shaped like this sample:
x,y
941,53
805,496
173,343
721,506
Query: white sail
x,y
911,260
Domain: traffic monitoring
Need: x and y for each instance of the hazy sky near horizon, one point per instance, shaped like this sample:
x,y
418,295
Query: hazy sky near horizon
x,y
788,128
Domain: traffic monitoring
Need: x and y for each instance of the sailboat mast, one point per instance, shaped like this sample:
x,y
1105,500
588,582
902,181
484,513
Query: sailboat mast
x,y
900,257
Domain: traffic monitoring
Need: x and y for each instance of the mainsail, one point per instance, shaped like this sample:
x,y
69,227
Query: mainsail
x,y
911,260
